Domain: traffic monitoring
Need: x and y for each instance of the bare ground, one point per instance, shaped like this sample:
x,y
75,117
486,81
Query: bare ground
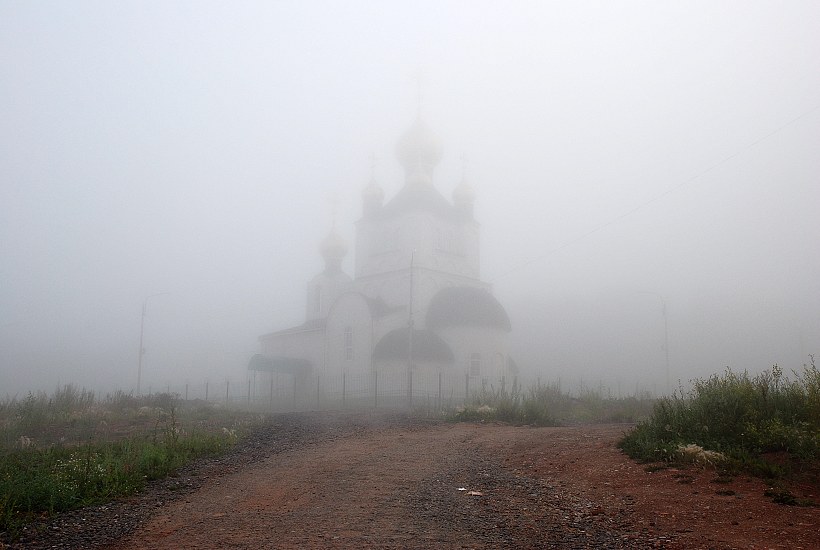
x,y
376,481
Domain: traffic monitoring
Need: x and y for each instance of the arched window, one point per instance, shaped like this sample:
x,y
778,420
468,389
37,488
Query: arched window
x,y
475,364
349,343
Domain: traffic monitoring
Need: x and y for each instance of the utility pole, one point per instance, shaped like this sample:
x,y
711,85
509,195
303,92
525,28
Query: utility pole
x,y
666,341
142,339
410,337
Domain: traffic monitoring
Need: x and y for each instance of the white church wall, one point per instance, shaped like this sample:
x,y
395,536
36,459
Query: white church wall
x,y
323,291
472,250
490,345
349,336
389,322
393,287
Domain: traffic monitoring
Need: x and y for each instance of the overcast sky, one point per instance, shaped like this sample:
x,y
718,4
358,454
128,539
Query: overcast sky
x,y
625,155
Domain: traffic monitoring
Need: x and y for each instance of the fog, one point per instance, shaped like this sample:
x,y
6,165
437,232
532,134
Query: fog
x,y
645,173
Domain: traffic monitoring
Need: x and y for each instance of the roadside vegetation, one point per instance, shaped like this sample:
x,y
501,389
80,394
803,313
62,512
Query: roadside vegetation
x,y
767,425
547,405
72,449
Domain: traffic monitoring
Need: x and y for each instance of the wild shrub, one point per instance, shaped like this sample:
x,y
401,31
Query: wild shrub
x,y
58,453
547,405
736,414
55,479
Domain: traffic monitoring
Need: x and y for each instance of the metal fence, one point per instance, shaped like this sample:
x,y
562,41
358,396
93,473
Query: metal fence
x,y
284,393
398,390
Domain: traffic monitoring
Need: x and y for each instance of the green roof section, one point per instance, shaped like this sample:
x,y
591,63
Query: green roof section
x,y
289,365
427,346
466,306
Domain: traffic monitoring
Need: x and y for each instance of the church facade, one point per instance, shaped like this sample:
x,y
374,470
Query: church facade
x,y
415,301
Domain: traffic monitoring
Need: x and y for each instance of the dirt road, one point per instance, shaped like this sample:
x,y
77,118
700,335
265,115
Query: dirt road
x,y
366,482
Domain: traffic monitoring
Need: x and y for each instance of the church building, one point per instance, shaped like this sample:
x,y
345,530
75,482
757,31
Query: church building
x,y
415,301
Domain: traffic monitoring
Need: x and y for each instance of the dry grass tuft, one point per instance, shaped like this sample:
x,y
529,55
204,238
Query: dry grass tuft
x,y
695,454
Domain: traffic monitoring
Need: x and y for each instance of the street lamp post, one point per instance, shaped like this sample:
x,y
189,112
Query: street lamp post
x,y
142,337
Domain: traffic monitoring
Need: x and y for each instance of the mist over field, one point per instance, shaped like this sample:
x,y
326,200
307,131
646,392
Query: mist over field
x,y
647,177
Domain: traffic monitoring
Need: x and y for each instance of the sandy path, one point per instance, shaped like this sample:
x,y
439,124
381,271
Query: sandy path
x,y
397,487
348,493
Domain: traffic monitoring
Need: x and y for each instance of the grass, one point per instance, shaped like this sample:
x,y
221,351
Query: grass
x,y
547,405
767,425
70,449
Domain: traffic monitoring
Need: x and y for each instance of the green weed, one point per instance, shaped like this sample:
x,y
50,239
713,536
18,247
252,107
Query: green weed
x,y
738,417
547,405
71,449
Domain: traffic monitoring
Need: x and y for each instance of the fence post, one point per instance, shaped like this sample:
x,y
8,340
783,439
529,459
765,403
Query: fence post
x,y
318,395
375,389
206,390
439,390
410,389
503,383
344,387
466,387
249,391
186,392
271,391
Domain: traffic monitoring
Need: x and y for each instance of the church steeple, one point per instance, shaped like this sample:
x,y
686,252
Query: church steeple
x,y
463,194
373,194
328,285
419,152
333,247
334,250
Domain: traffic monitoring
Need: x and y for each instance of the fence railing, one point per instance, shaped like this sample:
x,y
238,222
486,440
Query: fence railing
x,y
421,390
283,393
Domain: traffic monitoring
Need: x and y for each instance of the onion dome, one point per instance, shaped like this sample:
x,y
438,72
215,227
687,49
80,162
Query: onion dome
x,y
333,249
373,192
464,199
463,194
427,346
372,197
419,152
466,306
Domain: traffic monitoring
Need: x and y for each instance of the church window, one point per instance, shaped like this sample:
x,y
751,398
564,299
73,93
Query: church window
x,y
349,343
385,241
475,364
449,241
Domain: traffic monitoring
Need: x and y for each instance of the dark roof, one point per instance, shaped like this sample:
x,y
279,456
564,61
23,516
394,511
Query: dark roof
x,y
427,346
378,307
419,197
291,365
466,306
